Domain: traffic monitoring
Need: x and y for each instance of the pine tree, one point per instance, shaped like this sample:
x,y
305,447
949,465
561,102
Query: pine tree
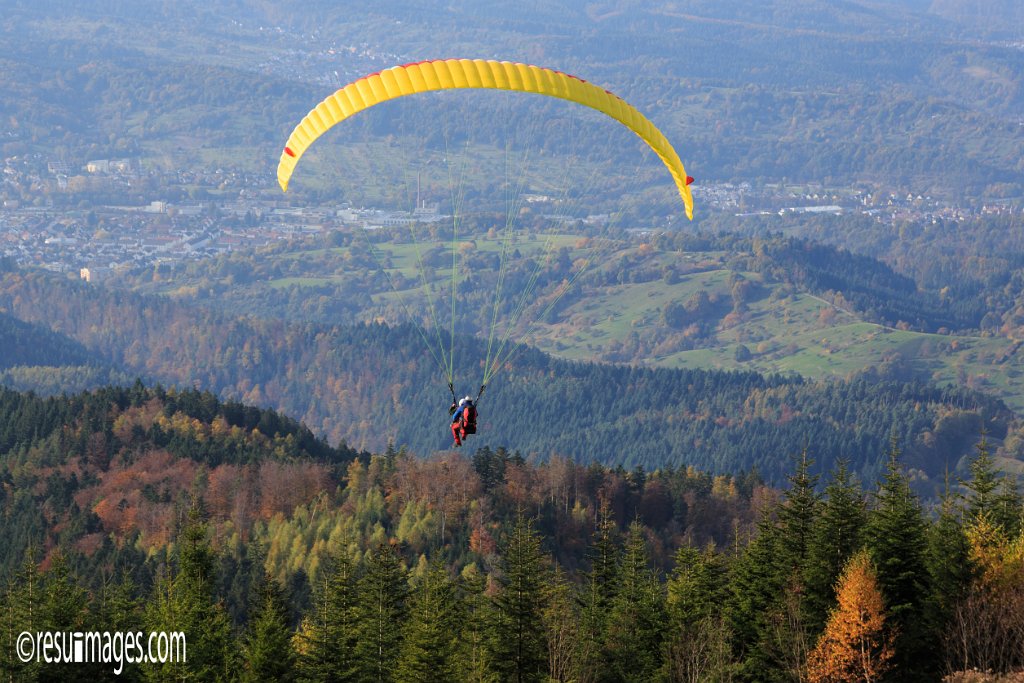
x,y
65,601
993,496
796,516
185,602
948,559
268,654
697,639
754,600
116,606
981,497
561,625
599,591
787,634
895,537
835,536
329,635
518,648
430,644
64,610
604,556
854,646
477,611
22,610
697,585
1008,507
383,590
637,618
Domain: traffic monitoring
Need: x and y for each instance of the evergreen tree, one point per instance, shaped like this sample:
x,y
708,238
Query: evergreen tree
x,y
895,537
22,610
992,496
785,639
329,635
697,639
268,654
518,648
64,610
948,558
561,624
383,589
185,602
697,586
796,516
756,588
116,606
604,556
835,536
599,591
984,481
490,466
637,618
429,645
477,611
1008,508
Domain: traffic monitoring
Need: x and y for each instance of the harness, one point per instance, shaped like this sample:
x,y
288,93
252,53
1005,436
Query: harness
x,y
469,419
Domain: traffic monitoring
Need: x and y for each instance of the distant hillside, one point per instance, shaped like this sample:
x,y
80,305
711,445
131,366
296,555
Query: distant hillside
x,y
367,385
334,278
22,343
751,91
32,357
673,299
995,17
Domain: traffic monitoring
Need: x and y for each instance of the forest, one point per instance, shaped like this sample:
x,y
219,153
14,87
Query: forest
x,y
328,376
282,558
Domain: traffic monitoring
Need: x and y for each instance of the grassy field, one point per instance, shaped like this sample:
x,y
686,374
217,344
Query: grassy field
x,y
783,331
798,334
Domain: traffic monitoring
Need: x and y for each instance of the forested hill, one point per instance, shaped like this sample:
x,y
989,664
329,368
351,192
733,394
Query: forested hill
x,y
32,357
26,344
104,475
367,385
86,470
283,559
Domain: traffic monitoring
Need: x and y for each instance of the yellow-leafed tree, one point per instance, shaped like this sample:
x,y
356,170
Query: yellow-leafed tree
x,y
854,645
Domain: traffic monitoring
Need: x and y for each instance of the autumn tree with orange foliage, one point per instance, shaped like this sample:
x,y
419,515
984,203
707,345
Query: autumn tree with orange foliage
x,y
854,645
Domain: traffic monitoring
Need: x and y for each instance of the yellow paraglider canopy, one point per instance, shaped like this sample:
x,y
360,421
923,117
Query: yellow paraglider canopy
x,y
409,79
